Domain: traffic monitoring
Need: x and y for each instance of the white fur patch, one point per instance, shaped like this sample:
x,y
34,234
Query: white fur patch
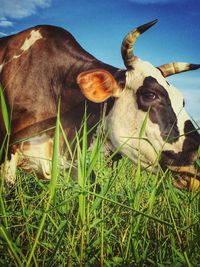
x,y
34,36
124,123
8,169
36,154
14,57
29,42
1,67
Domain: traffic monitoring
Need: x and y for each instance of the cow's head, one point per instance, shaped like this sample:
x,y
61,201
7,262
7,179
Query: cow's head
x,y
145,100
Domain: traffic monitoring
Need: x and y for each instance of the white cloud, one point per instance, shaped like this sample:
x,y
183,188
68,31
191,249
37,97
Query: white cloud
x,y
18,9
2,34
146,2
5,23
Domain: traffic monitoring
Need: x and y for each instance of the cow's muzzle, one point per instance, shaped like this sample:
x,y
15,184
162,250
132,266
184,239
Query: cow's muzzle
x,y
187,177
185,168
185,164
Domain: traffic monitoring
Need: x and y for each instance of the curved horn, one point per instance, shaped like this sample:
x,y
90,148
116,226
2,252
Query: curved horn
x,y
177,67
129,40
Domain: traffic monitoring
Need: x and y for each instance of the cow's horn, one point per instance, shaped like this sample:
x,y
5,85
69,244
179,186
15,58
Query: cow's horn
x,y
129,40
177,67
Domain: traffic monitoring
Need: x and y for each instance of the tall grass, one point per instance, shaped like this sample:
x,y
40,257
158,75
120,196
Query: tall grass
x,y
126,217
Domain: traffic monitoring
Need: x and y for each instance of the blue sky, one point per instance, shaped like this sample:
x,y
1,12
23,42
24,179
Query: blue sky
x,y
100,25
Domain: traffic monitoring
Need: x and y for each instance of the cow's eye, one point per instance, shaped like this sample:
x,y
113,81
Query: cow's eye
x,y
149,96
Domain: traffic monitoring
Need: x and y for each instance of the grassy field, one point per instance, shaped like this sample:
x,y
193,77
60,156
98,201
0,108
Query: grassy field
x,y
126,217
142,222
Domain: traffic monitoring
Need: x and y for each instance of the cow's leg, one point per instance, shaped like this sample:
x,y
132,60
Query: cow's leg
x,y
8,169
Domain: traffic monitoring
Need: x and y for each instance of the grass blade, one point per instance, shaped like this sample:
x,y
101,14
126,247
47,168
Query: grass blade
x,y
52,186
4,111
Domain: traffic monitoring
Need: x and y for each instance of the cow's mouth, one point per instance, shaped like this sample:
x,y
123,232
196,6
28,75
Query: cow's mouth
x,y
185,181
188,178
184,168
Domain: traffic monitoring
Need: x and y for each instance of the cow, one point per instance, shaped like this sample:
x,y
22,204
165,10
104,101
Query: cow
x,y
43,65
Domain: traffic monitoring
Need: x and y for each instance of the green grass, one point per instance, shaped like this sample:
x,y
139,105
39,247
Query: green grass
x,y
136,219
151,225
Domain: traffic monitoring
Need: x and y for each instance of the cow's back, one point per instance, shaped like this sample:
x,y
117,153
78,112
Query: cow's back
x,y
38,66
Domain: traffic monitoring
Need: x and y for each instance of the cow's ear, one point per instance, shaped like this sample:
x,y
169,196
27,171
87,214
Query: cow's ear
x,y
98,85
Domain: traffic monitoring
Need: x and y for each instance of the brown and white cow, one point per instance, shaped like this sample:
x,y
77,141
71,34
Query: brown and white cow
x,y
43,64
